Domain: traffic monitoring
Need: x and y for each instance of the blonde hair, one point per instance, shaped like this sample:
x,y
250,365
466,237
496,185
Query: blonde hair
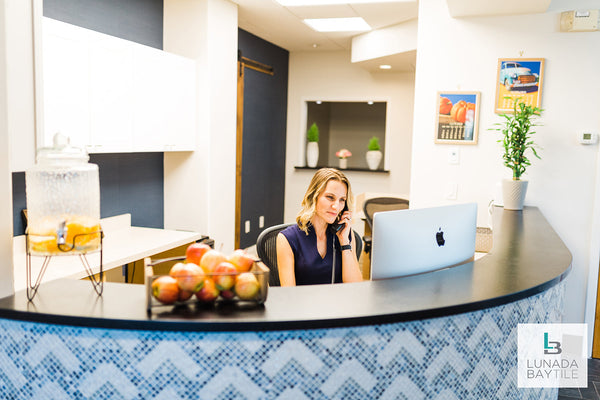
x,y
315,189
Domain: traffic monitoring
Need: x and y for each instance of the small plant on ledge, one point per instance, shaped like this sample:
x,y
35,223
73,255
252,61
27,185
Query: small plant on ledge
x,y
312,135
374,144
374,154
312,147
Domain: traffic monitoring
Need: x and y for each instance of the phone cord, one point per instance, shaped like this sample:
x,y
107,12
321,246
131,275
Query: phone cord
x,y
333,264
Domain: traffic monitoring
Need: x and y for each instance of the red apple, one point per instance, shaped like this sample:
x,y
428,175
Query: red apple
x,y
195,251
189,276
242,260
227,294
176,269
224,275
210,260
246,286
184,295
165,289
209,291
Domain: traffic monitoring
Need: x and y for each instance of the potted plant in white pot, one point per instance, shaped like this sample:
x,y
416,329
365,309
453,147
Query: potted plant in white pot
x,y
517,140
312,147
373,153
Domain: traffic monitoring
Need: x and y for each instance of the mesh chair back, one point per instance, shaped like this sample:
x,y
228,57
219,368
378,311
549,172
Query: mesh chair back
x,y
376,204
266,247
357,242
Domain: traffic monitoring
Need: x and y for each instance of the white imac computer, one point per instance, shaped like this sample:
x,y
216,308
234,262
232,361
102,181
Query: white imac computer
x,y
413,241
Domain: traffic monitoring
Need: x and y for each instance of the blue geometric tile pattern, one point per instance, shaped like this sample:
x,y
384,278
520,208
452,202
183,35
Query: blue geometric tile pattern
x,y
466,356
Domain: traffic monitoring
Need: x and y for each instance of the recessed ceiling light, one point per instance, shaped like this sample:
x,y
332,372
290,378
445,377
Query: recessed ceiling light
x,y
370,103
338,24
385,66
297,3
315,45
318,101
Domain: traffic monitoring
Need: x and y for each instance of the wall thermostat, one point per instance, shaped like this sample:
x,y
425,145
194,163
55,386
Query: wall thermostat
x,y
588,138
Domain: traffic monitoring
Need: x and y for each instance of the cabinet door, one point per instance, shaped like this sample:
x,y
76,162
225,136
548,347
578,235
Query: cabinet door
x,y
164,101
111,94
66,83
180,104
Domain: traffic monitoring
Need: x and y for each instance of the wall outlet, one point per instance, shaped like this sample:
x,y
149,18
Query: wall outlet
x,y
247,226
261,221
453,155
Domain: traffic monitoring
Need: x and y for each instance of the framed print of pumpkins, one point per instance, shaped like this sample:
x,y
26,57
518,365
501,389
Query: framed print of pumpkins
x,y
457,117
519,78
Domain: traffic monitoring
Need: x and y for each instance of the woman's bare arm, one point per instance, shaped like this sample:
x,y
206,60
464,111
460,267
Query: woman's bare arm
x,y
285,262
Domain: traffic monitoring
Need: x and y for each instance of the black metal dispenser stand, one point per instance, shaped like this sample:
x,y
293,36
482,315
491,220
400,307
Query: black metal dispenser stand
x,y
97,282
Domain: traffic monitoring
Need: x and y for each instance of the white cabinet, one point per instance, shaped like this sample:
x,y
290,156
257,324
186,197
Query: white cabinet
x,y
165,86
112,95
66,84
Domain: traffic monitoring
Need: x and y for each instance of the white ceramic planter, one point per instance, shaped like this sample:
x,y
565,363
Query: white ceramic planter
x,y
374,158
343,163
513,194
312,154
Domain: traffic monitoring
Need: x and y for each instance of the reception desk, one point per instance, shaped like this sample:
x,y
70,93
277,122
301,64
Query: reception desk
x,y
448,334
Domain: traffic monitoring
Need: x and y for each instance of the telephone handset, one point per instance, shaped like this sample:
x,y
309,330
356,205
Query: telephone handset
x,y
336,226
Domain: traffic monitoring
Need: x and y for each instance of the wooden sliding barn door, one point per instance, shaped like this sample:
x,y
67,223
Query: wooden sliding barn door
x,y
254,156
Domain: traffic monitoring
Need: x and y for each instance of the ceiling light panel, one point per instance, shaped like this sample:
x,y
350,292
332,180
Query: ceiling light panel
x,y
298,3
338,24
332,11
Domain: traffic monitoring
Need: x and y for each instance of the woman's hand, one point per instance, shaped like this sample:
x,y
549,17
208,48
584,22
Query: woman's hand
x,y
350,268
344,234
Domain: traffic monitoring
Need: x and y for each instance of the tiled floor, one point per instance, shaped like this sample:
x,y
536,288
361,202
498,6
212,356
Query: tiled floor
x,y
593,389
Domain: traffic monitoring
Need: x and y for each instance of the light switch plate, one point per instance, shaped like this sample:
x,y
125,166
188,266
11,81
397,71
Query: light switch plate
x,y
451,190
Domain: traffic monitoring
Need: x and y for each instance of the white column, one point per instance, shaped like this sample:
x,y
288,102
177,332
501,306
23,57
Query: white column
x,y
16,116
200,186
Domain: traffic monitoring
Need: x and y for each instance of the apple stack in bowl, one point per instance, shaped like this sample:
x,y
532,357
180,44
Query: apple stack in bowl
x,y
210,275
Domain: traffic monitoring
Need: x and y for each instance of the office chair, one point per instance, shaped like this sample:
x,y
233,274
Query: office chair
x,y
376,204
266,247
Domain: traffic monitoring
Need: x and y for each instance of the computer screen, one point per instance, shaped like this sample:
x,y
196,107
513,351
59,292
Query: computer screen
x,y
413,241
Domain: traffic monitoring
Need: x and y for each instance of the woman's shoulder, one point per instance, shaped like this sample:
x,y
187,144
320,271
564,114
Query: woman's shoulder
x,y
292,230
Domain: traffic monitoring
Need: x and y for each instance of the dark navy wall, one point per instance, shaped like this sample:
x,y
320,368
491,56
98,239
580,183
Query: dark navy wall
x,y
129,182
140,21
264,130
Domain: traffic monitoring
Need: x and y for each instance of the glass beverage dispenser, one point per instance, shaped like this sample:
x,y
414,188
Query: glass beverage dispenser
x,y
63,202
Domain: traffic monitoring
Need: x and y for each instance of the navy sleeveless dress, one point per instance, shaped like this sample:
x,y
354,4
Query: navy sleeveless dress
x,y
310,268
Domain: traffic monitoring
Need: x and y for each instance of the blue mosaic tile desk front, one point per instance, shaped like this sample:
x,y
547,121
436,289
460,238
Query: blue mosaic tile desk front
x,y
465,356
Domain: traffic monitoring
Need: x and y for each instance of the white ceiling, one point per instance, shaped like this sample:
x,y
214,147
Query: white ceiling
x,y
283,26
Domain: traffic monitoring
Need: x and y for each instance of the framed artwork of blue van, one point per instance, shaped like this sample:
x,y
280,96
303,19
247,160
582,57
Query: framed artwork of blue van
x,y
519,78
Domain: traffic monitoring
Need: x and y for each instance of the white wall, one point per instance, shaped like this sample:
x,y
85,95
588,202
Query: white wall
x,y
21,108
200,186
16,89
462,54
329,76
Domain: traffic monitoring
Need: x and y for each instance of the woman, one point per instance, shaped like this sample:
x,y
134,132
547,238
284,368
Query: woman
x,y
305,251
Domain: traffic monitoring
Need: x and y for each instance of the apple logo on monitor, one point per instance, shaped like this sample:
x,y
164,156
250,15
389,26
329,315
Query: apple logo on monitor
x,y
439,237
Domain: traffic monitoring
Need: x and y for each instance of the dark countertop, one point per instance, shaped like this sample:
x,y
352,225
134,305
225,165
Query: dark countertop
x,y
527,257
